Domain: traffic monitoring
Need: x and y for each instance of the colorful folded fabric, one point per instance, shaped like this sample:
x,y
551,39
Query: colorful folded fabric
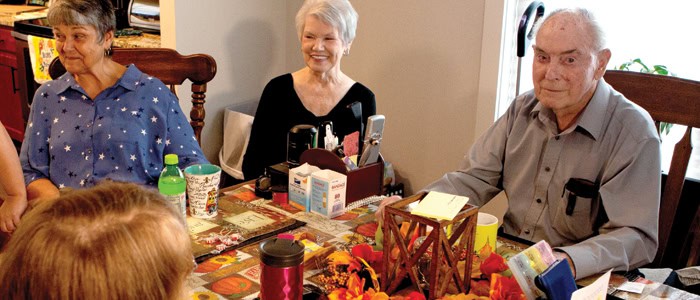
x,y
41,52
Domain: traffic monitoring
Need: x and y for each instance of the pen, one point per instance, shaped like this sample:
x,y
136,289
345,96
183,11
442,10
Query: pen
x,y
450,202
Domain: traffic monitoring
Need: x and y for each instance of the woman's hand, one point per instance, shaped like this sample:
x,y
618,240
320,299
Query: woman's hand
x,y
10,212
379,214
11,183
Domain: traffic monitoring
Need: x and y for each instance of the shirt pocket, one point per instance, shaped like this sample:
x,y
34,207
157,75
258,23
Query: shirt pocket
x,y
579,224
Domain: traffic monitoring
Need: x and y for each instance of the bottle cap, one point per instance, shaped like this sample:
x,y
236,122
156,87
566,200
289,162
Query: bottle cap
x,y
171,159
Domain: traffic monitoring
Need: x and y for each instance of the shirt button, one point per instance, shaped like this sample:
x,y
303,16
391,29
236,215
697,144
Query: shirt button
x,y
527,231
556,137
539,200
546,169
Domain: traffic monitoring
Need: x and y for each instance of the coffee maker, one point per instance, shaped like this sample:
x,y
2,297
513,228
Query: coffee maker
x,y
144,15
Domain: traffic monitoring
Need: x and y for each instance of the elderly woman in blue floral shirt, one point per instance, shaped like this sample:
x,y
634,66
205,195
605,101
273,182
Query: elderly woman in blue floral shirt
x,y
100,120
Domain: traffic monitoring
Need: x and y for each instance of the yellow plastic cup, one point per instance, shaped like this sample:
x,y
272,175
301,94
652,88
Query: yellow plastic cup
x,y
486,230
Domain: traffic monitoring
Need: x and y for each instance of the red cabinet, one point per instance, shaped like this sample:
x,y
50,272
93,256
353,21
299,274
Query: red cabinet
x,y
11,111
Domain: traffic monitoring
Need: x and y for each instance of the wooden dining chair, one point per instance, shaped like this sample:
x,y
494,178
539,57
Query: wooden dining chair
x,y
170,67
677,101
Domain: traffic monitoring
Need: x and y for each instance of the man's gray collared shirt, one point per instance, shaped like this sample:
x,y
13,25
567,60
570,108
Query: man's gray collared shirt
x,y
613,143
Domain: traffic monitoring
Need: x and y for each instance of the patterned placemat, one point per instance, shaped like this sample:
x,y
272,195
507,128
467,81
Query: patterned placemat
x,y
239,222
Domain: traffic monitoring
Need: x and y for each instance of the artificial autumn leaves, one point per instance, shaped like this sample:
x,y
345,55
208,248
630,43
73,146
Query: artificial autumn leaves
x,y
492,277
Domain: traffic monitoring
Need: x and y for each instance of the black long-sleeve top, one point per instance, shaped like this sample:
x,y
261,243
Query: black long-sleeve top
x,y
280,109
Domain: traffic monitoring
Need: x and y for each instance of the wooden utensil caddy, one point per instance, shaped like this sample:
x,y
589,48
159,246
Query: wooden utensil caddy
x,y
443,249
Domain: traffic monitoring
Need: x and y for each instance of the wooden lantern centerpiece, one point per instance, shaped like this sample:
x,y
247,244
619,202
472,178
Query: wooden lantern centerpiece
x,y
444,248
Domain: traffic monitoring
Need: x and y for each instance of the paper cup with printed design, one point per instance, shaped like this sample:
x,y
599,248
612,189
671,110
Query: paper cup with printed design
x,y
486,231
203,189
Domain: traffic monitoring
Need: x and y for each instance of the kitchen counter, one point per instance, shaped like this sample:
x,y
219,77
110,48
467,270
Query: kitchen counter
x,y
147,40
10,13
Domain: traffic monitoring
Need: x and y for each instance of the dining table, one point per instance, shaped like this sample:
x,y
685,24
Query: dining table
x,y
234,272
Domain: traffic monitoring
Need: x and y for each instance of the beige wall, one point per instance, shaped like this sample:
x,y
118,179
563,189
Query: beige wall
x,y
246,38
421,58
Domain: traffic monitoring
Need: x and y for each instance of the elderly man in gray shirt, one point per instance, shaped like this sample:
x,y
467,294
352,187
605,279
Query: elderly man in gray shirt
x,y
572,128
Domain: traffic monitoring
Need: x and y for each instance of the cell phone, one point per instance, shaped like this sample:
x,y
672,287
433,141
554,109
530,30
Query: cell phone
x,y
372,140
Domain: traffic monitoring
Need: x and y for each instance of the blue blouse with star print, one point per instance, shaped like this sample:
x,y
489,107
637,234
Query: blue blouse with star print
x,y
121,135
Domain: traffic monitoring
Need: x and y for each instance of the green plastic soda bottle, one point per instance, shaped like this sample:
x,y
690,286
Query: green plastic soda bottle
x,y
172,184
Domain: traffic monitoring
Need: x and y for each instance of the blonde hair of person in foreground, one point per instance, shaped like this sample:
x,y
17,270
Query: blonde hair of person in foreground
x,y
112,241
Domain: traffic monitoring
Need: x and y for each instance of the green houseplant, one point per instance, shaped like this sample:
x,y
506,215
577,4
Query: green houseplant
x,y
655,69
664,127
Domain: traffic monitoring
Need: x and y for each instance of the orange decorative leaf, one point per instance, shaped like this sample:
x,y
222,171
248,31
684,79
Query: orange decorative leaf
x,y
480,287
404,229
367,229
354,291
464,297
395,253
337,294
355,284
485,250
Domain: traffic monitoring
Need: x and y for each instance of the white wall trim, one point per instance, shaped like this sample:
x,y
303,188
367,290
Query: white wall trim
x,y
490,68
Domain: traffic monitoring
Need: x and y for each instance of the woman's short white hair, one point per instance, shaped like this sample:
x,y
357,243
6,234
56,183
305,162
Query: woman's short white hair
x,y
338,13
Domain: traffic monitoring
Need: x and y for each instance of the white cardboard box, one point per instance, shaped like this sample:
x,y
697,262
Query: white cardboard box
x,y
300,186
328,193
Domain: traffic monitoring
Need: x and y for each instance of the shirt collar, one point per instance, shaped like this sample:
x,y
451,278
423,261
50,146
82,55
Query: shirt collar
x,y
63,82
545,115
129,80
591,119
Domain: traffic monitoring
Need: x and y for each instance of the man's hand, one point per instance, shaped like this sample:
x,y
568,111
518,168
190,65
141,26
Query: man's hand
x,y
10,212
561,255
379,214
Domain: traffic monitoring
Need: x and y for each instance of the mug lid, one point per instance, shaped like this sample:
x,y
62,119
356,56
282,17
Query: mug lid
x,y
281,252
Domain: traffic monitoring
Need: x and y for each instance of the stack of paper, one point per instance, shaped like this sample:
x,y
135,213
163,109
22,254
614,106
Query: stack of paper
x,y
440,206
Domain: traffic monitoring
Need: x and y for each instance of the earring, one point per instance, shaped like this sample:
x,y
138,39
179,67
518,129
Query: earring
x,y
108,51
346,52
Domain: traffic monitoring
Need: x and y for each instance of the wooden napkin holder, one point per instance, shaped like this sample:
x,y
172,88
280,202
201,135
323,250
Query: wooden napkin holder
x,y
362,182
443,249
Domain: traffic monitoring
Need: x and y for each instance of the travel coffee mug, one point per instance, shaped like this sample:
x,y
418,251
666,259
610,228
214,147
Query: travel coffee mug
x,y
282,270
